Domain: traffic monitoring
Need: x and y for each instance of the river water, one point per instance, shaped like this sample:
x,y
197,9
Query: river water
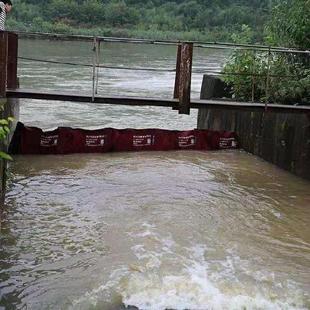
x,y
158,230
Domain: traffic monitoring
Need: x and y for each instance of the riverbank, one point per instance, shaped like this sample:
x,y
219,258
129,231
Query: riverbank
x,y
155,34
182,19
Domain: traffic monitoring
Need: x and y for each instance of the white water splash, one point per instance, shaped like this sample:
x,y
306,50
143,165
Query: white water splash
x,y
192,290
163,280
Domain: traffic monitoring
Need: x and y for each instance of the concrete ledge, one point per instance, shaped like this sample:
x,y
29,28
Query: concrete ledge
x,y
280,138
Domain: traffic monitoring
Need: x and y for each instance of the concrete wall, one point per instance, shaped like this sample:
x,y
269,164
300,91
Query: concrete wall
x,y
279,138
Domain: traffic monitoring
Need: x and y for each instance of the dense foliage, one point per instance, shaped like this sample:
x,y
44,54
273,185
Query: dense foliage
x,y
209,19
289,24
4,132
285,78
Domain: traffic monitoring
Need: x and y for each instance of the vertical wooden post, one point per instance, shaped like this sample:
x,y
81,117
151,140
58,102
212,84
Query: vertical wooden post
x,y
12,60
186,63
177,74
3,62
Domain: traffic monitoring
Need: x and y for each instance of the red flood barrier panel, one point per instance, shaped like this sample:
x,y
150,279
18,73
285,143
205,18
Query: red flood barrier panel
x,y
85,141
66,140
32,140
49,142
143,140
221,140
192,140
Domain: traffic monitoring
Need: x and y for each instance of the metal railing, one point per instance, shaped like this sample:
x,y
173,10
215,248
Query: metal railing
x,y
184,60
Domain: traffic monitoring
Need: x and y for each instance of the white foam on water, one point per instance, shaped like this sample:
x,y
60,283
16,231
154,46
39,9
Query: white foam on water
x,y
157,288
163,279
192,290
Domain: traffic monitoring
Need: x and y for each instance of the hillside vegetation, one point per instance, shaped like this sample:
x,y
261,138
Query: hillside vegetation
x,y
179,19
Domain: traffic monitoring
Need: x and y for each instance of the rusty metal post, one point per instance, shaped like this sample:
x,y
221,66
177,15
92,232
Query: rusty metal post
x,y
12,81
253,76
268,80
186,63
177,73
94,67
98,66
3,62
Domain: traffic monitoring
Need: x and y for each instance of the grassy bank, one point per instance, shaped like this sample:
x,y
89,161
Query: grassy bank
x,y
156,34
160,19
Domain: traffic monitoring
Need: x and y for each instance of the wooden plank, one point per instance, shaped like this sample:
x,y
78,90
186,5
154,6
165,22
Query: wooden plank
x,y
82,97
3,62
146,101
12,60
185,78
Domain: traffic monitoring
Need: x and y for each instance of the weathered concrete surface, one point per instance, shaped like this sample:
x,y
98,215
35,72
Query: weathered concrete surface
x,y
280,138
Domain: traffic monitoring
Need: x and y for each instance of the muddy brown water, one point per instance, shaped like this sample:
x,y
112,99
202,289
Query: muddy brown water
x,y
157,230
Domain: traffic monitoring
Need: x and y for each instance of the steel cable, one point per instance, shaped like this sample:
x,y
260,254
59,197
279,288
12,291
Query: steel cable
x,y
201,71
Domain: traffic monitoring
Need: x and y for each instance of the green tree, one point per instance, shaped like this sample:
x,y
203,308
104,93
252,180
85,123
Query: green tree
x,y
290,24
211,19
288,73
4,132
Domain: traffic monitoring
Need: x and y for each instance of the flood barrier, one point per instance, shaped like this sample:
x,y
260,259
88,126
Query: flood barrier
x,y
67,140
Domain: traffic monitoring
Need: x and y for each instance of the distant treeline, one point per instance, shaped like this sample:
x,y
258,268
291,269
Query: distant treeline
x,y
183,19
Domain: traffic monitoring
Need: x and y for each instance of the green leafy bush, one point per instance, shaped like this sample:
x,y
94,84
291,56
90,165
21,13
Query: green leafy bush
x,y
276,77
289,24
288,81
4,132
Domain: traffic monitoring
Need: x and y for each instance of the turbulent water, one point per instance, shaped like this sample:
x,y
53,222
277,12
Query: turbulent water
x,y
154,230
